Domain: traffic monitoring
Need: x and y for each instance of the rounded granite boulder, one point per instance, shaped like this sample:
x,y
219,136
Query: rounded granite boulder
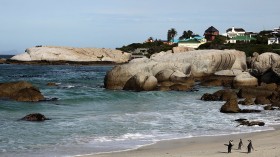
x,y
174,67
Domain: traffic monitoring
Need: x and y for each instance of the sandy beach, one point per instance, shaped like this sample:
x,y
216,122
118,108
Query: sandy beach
x,y
266,144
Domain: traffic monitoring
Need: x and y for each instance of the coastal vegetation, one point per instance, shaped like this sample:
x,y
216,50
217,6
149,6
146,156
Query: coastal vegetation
x,y
220,43
153,47
259,45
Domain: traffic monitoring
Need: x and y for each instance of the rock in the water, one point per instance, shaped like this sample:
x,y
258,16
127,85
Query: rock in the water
x,y
221,95
240,119
35,117
210,97
250,111
141,82
253,92
268,107
20,91
49,53
251,123
2,60
51,84
176,67
247,101
262,100
181,87
231,106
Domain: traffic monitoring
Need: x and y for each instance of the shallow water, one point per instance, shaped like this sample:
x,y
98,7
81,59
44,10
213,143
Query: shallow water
x,y
89,119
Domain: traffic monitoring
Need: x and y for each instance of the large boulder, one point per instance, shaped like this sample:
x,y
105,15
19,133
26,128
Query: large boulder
x,y
263,62
51,53
176,67
264,90
20,91
231,106
141,82
262,100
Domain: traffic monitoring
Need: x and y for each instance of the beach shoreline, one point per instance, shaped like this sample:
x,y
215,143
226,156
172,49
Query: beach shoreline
x,y
265,143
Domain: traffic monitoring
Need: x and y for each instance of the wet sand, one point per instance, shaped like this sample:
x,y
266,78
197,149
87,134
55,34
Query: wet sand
x,y
266,144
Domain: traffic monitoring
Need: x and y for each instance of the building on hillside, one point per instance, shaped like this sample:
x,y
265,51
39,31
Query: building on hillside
x,y
194,42
242,39
273,40
233,32
277,30
211,33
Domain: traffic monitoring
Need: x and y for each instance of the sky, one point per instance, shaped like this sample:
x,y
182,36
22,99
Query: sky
x,y
115,23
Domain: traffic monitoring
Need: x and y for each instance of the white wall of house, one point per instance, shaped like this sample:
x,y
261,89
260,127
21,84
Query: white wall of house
x,y
234,33
273,41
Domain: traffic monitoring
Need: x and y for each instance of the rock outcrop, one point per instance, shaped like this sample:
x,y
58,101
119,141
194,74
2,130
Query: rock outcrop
x,y
231,106
35,117
221,95
266,67
20,91
2,60
250,123
175,67
49,53
263,62
245,79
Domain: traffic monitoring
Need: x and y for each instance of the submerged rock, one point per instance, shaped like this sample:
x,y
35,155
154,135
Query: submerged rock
x,y
35,117
51,84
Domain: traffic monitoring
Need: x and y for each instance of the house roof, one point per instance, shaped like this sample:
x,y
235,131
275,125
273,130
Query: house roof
x,y
243,38
211,30
236,29
189,41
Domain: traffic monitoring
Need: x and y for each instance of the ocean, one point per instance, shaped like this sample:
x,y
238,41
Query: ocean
x,y
88,119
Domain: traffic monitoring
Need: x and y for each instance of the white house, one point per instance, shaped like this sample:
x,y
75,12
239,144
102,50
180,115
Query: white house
x,y
194,42
273,40
233,32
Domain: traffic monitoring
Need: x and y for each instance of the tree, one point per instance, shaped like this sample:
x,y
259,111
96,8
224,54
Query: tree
x,y
171,34
186,35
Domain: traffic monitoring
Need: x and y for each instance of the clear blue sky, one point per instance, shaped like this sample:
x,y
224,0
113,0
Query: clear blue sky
x,y
114,23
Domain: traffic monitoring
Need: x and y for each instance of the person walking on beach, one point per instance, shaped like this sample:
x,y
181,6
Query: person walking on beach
x,y
240,144
250,146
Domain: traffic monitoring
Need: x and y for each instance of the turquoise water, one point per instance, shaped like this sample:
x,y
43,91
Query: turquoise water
x,y
88,119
